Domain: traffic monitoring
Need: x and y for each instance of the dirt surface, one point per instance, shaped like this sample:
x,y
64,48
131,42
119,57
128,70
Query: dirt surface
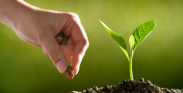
x,y
130,86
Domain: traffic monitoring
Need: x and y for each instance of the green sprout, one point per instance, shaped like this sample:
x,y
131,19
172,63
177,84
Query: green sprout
x,y
138,35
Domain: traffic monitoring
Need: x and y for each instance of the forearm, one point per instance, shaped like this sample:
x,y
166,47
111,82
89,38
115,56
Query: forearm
x,y
12,10
7,9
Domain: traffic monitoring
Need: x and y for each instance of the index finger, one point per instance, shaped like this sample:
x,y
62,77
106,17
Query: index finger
x,y
81,44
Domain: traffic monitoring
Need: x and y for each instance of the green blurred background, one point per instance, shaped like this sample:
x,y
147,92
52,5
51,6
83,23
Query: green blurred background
x,y
25,69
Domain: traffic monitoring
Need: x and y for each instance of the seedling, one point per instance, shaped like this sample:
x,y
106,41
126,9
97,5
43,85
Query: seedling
x,y
138,35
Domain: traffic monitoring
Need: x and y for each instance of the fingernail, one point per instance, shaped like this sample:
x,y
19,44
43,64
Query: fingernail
x,y
61,66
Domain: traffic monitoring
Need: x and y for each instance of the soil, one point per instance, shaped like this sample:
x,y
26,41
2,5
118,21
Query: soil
x,y
130,86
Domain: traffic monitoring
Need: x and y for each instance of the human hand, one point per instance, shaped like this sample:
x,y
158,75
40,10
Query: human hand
x,y
39,27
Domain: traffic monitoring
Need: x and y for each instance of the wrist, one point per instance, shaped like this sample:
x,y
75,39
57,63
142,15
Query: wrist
x,y
11,11
7,10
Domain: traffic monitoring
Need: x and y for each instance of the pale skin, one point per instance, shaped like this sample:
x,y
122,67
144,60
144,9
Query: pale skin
x,y
39,27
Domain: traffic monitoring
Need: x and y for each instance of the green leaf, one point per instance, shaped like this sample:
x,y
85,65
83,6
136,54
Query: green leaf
x,y
140,33
132,41
118,38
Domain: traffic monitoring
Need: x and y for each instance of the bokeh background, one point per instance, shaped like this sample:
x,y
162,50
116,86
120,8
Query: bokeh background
x,y
25,69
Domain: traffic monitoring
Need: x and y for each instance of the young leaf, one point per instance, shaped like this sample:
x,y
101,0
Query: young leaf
x,y
118,38
140,33
131,41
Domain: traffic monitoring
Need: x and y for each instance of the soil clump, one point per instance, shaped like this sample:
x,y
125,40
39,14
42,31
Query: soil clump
x,y
130,86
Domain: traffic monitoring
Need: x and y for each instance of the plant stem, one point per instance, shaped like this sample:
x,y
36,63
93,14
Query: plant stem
x,y
130,65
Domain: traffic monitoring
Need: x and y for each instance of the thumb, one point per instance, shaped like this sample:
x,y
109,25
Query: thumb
x,y
53,51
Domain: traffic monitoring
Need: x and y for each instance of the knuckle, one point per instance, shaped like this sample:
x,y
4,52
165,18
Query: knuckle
x,y
73,15
84,47
86,43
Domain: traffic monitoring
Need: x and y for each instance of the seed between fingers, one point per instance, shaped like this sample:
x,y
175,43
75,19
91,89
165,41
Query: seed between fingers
x,y
61,38
70,72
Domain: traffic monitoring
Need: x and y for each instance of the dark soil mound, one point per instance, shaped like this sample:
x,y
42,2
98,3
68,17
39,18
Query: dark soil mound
x,y
130,86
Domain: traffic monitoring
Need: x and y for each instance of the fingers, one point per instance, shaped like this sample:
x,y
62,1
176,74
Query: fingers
x,y
73,51
68,48
53,51
81,44
79,52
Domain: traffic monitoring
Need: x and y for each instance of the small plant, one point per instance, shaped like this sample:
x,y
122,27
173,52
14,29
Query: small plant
x,y
138,35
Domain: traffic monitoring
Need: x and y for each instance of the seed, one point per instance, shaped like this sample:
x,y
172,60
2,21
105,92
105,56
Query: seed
x,y
70,72
61,38
64,40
